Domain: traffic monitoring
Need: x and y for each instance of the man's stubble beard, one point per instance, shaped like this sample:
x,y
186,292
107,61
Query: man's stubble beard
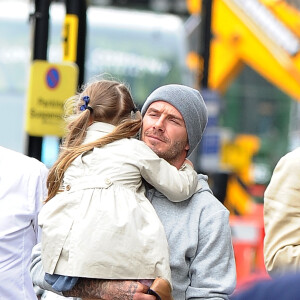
x,y
174,151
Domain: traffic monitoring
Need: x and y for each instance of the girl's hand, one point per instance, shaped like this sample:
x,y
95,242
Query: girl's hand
x,y
187,161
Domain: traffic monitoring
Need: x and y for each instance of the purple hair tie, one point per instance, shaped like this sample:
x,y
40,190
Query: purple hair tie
x,y
85,106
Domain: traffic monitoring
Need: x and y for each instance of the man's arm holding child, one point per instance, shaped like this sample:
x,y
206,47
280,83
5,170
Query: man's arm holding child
x,y
109,289
90,288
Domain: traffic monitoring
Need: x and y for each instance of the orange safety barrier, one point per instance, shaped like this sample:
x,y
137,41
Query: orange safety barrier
x,y
247,237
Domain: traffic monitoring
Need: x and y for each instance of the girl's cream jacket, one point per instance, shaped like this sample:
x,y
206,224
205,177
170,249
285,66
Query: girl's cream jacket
x,y
102,225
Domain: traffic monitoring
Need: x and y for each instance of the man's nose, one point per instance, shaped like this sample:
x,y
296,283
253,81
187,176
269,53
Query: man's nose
x,y
159,124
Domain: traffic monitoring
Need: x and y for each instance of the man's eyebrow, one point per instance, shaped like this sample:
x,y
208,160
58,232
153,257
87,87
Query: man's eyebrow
x,y
152,109
179,118
170,116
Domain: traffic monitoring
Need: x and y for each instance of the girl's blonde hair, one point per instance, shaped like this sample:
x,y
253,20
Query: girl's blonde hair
x,y
109,102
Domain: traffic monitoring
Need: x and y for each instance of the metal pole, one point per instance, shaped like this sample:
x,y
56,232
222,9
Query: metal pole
x,y
205,39
79,8
219,178
40,46
204,49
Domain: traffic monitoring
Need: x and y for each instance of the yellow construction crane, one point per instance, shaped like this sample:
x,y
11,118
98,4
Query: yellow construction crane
x,y
263,34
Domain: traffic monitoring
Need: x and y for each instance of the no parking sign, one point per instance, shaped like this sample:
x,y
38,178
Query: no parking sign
x,y
52,77
49,87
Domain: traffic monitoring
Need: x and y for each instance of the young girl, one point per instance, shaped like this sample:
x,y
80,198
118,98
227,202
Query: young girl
x,y
97,222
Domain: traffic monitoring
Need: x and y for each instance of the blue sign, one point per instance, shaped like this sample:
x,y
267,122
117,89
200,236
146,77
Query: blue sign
x,y
52,78
210,143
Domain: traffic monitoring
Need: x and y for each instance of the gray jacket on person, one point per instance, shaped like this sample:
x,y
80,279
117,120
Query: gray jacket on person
x,y
201,253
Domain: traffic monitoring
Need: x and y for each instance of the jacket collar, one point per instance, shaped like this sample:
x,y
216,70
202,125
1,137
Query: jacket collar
x,y
100,126
98,130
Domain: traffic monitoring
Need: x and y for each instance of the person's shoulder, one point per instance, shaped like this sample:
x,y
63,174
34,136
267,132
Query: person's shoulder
x,y
289,161
205,198
135,142
12,156
20,160
140,146
292,155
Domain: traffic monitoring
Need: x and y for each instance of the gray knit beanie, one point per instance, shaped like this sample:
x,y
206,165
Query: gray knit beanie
x,y
189,103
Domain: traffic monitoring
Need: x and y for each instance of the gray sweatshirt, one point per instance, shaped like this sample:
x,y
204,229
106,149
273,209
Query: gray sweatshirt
x,y
199,236
201,254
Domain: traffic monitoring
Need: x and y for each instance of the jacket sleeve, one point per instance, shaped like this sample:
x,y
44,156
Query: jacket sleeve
x,y
175,184
281,216
37,272
212,271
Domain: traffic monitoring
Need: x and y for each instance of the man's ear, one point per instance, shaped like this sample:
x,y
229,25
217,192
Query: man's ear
x,y
187,147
